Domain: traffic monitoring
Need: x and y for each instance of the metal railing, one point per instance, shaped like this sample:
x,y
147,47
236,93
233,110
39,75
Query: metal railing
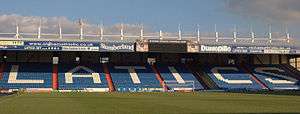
x,y
207,39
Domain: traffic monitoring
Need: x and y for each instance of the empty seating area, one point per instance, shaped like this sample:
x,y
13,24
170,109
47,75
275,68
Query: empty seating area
x,y
275,77
142,78
26,75
81,77
231,78
134,78
180,75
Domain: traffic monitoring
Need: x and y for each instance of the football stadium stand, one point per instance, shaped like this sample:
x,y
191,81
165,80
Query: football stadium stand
x,y
148,62
92,77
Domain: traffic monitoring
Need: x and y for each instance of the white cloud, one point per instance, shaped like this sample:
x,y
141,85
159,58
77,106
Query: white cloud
x,y
30,24
285,11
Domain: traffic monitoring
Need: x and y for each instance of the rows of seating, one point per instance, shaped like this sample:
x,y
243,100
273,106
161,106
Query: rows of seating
x,y
81,77
91,77
26,75
275,77
134,78
178,76
231,77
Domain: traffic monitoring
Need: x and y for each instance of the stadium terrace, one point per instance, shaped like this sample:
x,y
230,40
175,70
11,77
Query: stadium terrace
x,y
147,63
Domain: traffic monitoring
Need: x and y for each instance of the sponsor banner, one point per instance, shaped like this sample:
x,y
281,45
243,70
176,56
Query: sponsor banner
x,y
294,50
218,49
61,46
117,46
153,45
42,48
11,47
275,50
246,49
79,48
240,50
261,50
50,43
258,50
166,41
297,51
11,43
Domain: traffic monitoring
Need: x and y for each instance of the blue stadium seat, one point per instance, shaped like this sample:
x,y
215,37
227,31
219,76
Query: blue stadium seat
x,y
178,74
275,77
81,77
231,78
27,75
142,78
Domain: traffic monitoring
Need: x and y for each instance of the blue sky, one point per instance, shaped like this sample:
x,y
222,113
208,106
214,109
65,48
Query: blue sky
x,y
159,14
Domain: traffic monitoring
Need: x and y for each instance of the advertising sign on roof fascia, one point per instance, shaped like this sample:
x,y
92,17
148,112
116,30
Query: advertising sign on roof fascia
x,y
117,47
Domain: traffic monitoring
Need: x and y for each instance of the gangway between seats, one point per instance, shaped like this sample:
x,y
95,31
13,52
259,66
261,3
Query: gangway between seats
x,y
159,78
55,77
247,70
199,75
291,70
108,78
1,70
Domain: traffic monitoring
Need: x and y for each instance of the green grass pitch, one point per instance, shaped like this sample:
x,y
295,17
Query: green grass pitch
x,y
148,103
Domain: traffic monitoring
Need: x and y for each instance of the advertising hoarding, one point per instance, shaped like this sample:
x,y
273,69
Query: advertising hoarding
x,y
117,47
